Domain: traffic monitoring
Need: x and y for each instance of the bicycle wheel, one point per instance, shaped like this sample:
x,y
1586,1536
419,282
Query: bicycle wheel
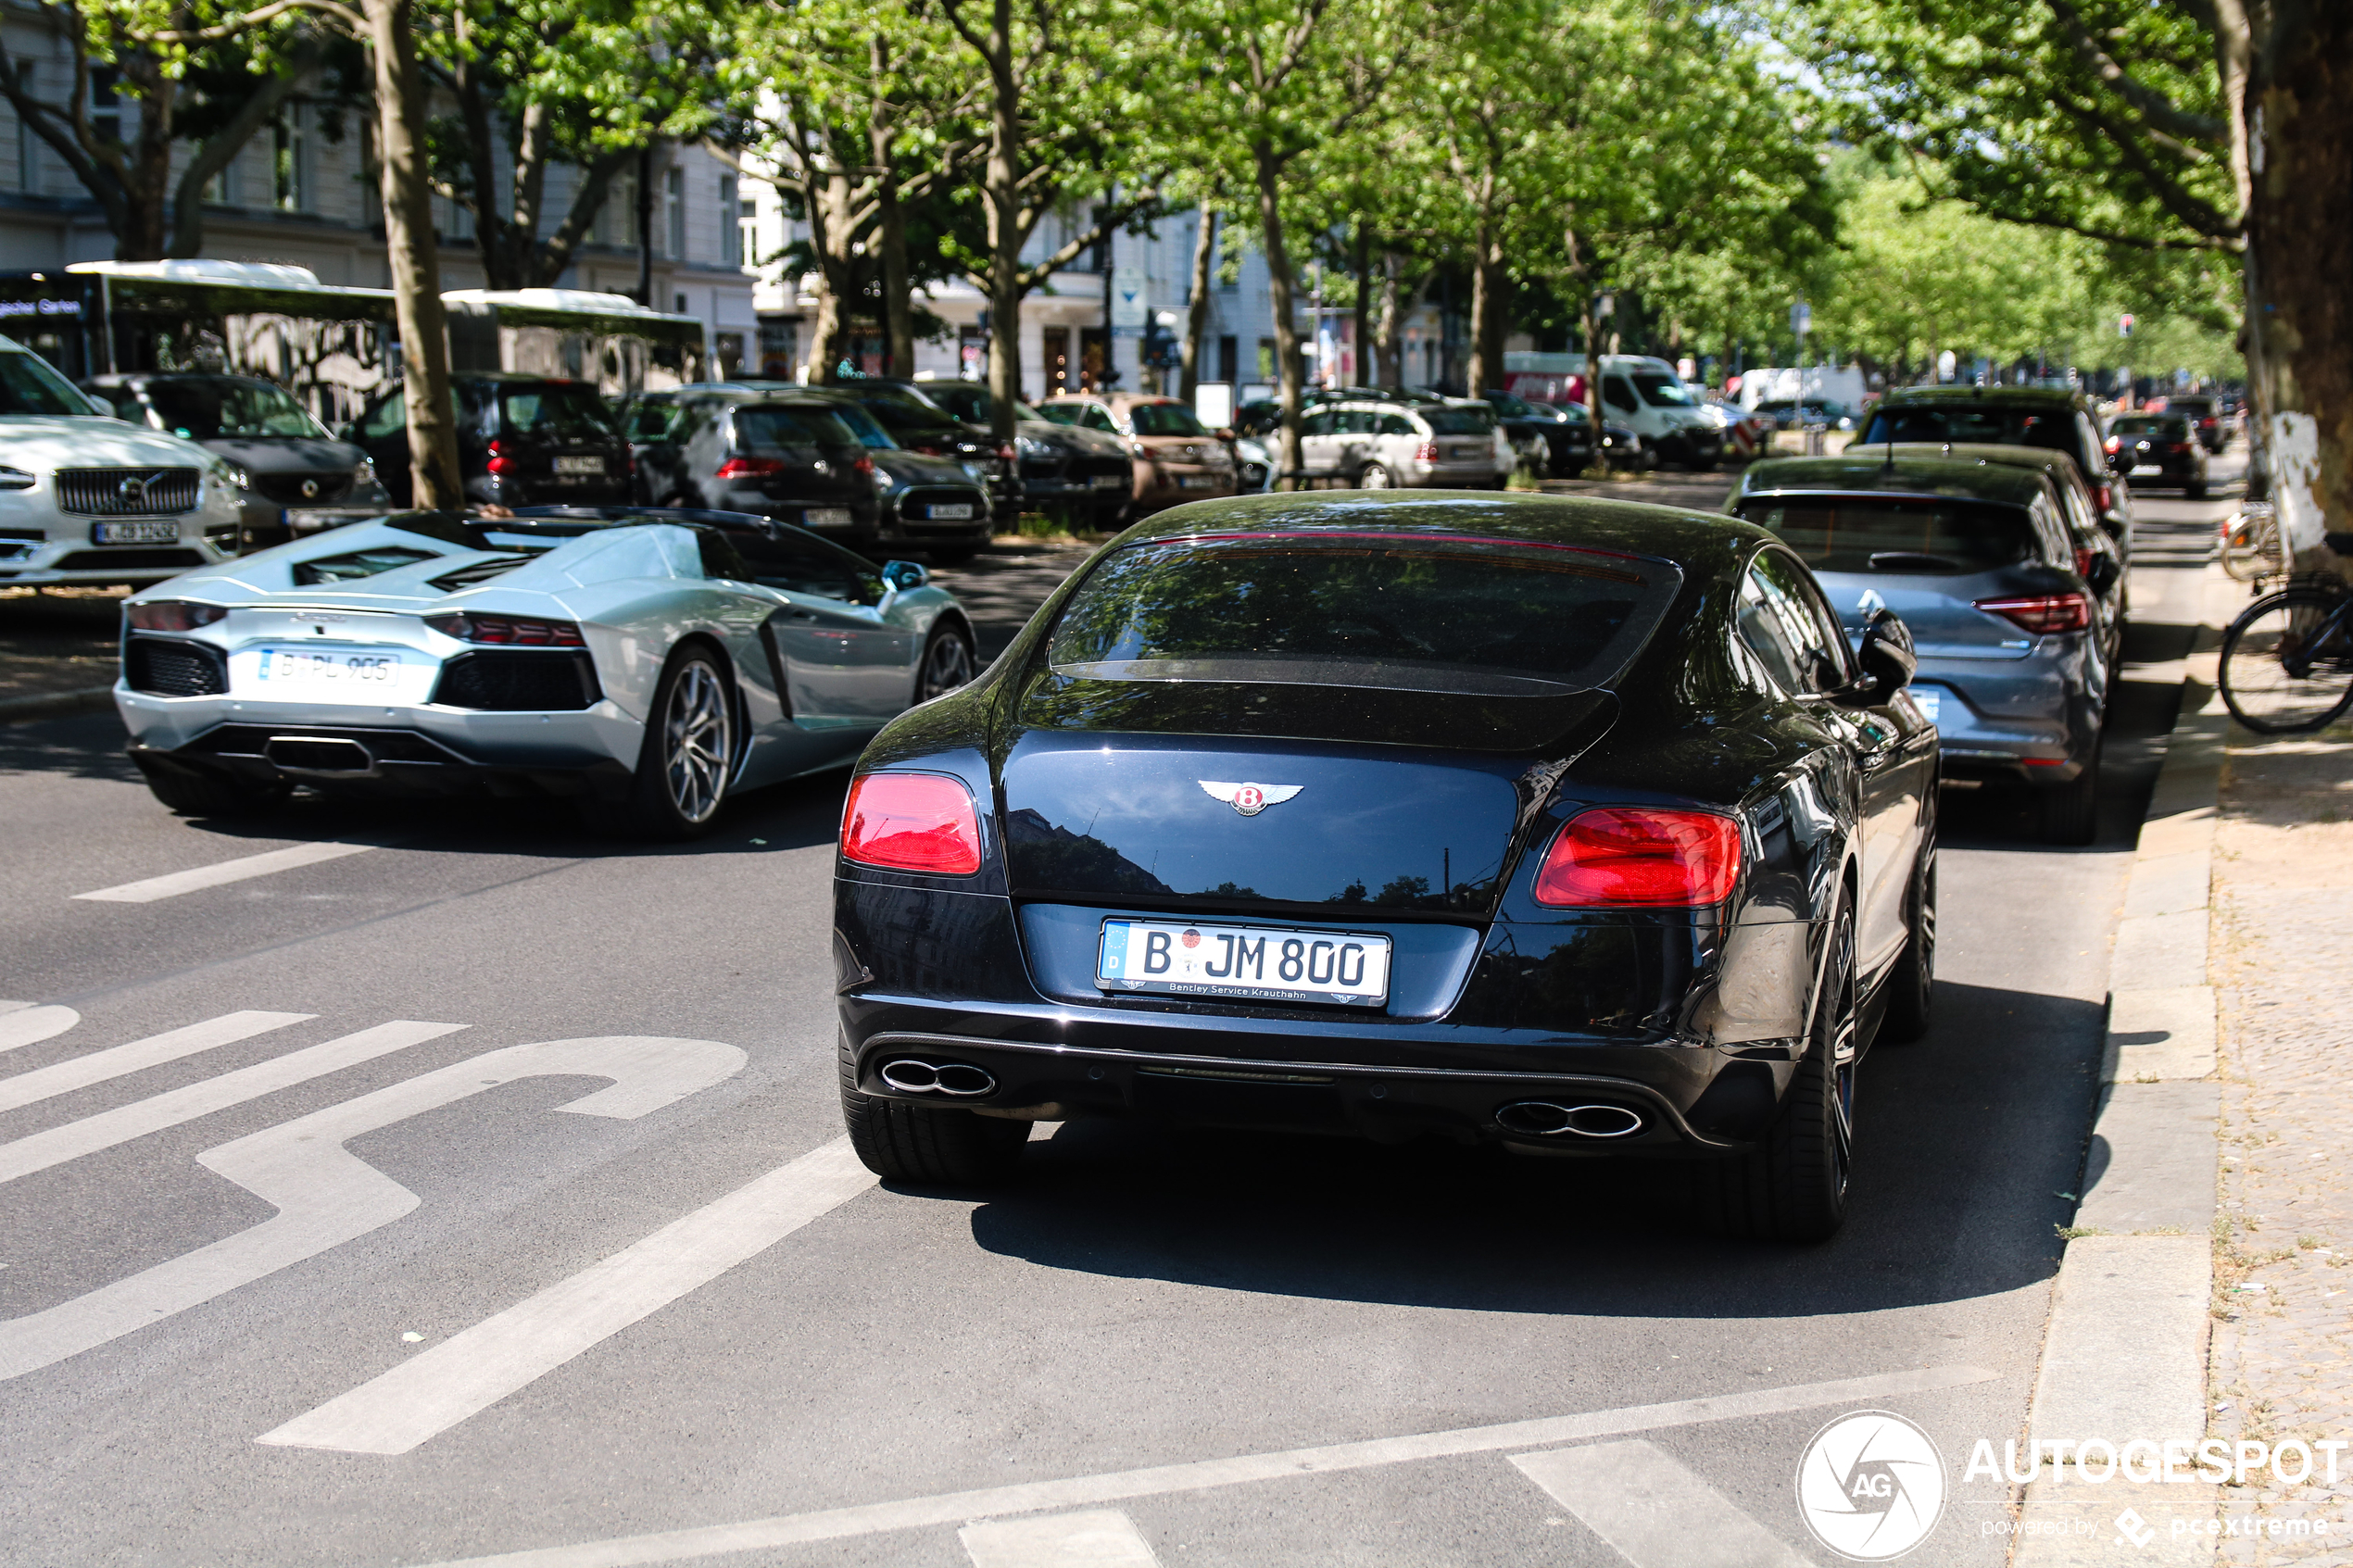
x,y
2251,544
2287,662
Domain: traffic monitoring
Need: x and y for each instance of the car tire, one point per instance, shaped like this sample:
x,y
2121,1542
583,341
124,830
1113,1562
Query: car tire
x,y
689,758
2194,490
1793,1187
194,791
1911,986
915,1143
2069,814
948,661
1374,476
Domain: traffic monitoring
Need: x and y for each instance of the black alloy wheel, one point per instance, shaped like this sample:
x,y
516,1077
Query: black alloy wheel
x,y
1793,1187
901,1142
948,661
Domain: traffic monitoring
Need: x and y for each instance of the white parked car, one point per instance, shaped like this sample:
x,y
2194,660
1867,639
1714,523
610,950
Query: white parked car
x,y
86,498
1385,445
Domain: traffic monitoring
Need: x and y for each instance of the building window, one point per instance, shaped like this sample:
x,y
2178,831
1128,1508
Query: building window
x,y
779,347
105,109
1266,359
1229,359
290,158
731,237
747,233
673,214
617,219
222,190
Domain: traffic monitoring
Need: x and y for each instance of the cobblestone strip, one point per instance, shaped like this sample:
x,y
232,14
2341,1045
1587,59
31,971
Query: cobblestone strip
x,y
2283,940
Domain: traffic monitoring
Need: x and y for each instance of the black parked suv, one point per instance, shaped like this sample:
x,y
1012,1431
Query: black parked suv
x,y
287,458
523,441
933,504
2048,417
786,455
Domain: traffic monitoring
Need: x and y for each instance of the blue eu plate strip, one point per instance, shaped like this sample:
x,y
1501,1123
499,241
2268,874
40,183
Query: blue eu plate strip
x,y
1115,948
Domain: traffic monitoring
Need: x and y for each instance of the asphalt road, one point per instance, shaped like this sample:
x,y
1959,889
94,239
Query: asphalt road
x,y
283,1284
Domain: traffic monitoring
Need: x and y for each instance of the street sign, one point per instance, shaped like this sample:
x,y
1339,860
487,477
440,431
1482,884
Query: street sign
x,y
1128,307
2124,326
1801,318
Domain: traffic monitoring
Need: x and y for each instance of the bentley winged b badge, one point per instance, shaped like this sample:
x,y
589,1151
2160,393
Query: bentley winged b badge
x,y
1249,799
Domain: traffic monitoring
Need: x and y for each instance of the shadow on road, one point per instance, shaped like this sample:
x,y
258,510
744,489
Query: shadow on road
x,y
1958,1186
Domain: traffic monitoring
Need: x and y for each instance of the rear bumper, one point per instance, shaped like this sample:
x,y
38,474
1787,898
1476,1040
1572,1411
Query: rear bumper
x,y
392,763
2034,721
1383,1102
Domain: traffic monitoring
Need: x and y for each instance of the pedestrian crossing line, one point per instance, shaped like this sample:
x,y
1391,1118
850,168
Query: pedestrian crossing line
x,y
1078,1491
325,1195
1102,1538
241,869
473,1369
25,1023
81,1072
55,1145
1652,1510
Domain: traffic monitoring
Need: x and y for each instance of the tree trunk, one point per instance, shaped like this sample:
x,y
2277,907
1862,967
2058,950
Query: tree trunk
x,y
1388,352
2300,232
1197,303
408,242
890,217
1487,309
1278,292
1364,345
1000,193
829,232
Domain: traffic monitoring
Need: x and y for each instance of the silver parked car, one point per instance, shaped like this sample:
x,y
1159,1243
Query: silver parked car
x,y
646,663
1385,445
1978,560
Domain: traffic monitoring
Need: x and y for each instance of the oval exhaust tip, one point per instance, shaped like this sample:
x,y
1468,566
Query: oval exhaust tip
x,y
1546,1118
958,1080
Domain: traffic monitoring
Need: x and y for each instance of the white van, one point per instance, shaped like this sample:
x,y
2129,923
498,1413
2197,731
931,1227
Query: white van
x,y
1649,398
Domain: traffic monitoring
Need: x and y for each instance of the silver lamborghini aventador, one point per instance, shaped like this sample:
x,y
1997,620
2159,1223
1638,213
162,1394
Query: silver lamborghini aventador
x,y
646,662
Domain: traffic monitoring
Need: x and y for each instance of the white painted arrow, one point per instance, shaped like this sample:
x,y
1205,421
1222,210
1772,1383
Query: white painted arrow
x,y
326,1196
22,1023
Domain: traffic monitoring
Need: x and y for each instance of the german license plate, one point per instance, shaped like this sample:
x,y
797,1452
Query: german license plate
x,y
825,517
949,514
580,465
2148,468
1268,963
1465,452
1110,482
1194,481
135,532
333,673
1929,700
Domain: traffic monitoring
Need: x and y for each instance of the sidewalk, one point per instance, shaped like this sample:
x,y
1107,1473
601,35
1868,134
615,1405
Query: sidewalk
x,y
58,651
2281,942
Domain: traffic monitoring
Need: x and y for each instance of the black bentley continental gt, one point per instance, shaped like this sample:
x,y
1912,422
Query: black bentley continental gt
x,y
1569,826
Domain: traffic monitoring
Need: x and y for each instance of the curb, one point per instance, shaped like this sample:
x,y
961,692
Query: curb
x,y
2124,1355
52,705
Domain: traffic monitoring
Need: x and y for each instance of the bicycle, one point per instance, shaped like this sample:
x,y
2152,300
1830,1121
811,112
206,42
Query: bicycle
x,y
2287,661
2251,548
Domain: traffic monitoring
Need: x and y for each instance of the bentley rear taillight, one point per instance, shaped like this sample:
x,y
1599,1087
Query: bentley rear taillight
x,y
2043,614
1641,857
911,822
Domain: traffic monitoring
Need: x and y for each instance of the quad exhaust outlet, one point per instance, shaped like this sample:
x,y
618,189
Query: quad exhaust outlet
x,y
957,1080
1548,1119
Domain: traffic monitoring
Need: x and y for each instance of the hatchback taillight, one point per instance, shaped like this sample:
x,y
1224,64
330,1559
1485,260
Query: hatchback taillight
x,y
507,630
1619,857
2083,561
749,468
2177,447
499,461
2043,614
1427,452
911,822
2101,496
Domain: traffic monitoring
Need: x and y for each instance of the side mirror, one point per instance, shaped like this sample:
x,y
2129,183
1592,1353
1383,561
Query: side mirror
x,y
905,575
1886,654
2103,574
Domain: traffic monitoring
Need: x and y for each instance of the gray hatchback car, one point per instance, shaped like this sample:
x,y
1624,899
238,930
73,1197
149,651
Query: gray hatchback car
x,y
1978,560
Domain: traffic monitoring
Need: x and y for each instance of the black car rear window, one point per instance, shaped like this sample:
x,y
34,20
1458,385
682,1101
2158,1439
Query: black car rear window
x,y
1371,610
1444,420
768,427
1164,419
2143,424
903,411
1926,537
2053,429
556,411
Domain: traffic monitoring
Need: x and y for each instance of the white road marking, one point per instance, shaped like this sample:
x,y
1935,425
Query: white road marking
x,y
1104,1538
22,1023
239,869
57,1145
1652,1510
956,1508
325,1195
432,1392
81,1072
